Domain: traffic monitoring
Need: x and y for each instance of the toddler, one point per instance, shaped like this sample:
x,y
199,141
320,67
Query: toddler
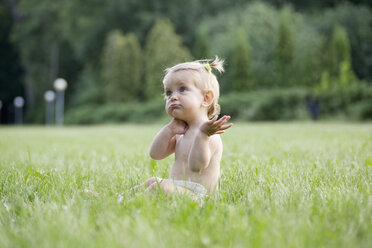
x,y
191,92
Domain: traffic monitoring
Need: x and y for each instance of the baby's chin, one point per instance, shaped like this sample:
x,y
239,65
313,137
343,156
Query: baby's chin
x,y
175,114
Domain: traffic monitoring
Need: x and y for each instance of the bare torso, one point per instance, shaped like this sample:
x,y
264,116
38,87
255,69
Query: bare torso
x,y
207,176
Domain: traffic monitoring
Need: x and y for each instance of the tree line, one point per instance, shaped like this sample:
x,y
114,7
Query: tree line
x,y
116,51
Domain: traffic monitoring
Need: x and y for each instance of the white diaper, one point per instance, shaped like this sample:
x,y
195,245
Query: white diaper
x,y
196,188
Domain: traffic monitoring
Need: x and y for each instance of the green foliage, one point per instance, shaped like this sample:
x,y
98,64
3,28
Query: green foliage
x,y
83,28
324,82
309,66
341,101
337,70
112,64
5,23
301,51
35,46
202,45
10,64
45,51
121,67
240,65
351,102
117,113
300,57
163,49
260,23
264,105
348,102
360,110
284,51
62,38
340,50
346,74
356,20
284,46
89,89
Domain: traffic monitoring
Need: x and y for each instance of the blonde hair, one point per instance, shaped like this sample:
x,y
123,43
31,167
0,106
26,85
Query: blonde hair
x,y
208,81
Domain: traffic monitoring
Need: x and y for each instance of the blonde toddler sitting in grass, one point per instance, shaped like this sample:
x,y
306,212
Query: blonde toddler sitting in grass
x,y
192,92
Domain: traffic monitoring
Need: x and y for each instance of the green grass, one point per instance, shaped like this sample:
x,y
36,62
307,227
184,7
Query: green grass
x,y
282,185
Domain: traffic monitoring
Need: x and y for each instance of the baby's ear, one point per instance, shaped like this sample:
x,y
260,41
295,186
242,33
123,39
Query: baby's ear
x,y
208,97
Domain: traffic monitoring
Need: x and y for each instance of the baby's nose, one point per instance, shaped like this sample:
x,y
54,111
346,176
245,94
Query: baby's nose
x,y
174,96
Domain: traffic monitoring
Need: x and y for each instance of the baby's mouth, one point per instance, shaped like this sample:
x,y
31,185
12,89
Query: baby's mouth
x,y
174,106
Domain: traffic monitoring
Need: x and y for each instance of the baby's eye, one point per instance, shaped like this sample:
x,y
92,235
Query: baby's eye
x,y
168,93
183,89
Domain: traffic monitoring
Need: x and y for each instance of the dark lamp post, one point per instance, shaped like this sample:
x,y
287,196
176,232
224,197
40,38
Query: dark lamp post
x,y
1,107
18,104
49,97
60,85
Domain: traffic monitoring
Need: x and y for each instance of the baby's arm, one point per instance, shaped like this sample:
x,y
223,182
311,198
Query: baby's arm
x,y
164,142
201,152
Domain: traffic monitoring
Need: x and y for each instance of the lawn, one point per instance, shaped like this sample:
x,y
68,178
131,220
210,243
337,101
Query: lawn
x,y
282,185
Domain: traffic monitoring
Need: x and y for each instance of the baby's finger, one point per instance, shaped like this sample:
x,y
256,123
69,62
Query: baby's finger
x,y
226,126
226,118
211,122
219,132
223,120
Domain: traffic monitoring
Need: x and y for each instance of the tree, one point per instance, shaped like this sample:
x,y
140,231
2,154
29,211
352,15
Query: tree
x,y
341,72
89,90
202,45
337,67
356,20
35,35
284,51
340,49
10,67
45,51
240,67
121,67
163,49
346,76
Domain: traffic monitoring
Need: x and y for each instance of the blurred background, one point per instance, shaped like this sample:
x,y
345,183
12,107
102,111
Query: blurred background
x,y
285,59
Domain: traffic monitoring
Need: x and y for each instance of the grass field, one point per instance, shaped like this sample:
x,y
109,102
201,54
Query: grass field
x,y
282,185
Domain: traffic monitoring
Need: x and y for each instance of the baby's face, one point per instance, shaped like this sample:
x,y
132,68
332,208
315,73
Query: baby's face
x,y
183,99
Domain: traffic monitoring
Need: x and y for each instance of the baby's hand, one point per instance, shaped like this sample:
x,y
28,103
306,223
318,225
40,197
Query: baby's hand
x,y
178,126
216,127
